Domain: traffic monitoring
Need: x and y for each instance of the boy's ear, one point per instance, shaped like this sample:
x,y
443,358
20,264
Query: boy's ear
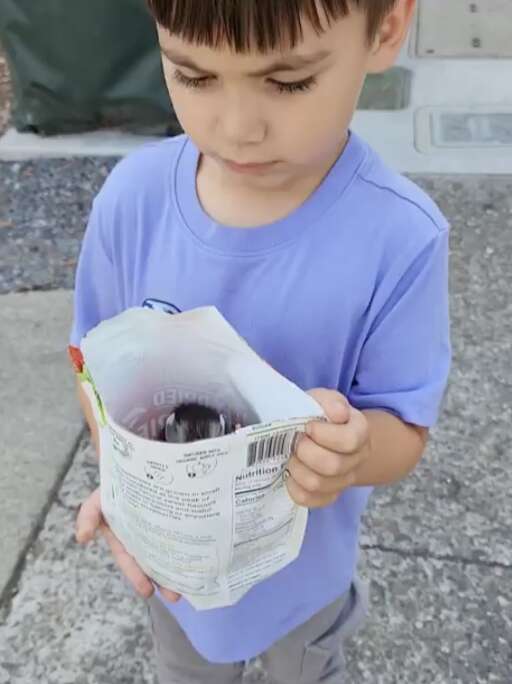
x,y
391,36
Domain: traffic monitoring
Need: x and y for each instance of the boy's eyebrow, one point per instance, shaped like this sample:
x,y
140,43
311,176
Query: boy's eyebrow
x,y
291,63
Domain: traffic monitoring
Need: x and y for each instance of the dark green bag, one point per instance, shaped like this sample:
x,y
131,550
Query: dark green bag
x,y
82,65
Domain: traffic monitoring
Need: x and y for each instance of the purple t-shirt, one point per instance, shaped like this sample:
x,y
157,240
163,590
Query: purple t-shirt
x,y
347,292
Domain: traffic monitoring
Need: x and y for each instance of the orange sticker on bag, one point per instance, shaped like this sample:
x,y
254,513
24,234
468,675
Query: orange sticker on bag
x,y
76,358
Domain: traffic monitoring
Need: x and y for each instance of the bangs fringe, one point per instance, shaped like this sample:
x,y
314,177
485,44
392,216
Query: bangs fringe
x,y
263,25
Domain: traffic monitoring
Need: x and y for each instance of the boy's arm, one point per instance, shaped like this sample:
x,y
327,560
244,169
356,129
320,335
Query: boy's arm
x,y
353,448
89,416
394,449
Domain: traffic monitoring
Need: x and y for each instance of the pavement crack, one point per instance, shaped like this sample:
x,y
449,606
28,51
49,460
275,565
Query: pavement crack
x,y
446,558
10,588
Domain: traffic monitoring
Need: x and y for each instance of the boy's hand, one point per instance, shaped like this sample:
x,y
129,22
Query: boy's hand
x,y
328,456
89,520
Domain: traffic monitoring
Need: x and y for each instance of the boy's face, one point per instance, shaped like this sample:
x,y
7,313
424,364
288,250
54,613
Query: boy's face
x,y
269,119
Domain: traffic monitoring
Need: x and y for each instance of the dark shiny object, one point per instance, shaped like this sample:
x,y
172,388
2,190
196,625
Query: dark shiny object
x,y
192,422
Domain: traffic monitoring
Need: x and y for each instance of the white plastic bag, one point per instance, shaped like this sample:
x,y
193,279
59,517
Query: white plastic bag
x,y
208,519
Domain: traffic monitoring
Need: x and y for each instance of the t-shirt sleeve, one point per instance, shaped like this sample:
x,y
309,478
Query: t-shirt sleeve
x,y
95,287
404,363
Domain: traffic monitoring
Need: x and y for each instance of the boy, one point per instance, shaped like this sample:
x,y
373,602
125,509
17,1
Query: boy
x,y
330,265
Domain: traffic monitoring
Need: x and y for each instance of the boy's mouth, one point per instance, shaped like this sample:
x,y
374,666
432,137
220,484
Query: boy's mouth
x,y
249,168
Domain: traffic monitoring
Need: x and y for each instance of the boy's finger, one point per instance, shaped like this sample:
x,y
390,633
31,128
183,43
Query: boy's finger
x,y
89,518
343,439
303,498
128,566
316,484
319,459
169,595
334,404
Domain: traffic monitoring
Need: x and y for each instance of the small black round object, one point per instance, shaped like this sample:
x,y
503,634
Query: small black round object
x,y
192,422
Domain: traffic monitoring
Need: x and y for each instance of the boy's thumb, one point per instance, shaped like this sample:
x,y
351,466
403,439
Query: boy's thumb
x,y
334,405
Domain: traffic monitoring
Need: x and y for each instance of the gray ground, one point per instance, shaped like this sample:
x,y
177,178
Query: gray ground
x,y
436,548
43,210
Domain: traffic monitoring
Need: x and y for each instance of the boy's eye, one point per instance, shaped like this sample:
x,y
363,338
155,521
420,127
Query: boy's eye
x,y
191,81
295,86
203,81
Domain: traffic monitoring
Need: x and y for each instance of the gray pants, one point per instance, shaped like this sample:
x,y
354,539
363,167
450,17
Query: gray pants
x,y
310,654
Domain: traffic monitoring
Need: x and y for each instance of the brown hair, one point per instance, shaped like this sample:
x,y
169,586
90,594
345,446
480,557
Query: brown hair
x,y
261,24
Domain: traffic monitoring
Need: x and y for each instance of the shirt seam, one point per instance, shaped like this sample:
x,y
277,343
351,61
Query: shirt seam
x,y
440,228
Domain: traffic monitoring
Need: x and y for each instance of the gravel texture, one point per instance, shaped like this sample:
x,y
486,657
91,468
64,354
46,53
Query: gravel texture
x,y
44,206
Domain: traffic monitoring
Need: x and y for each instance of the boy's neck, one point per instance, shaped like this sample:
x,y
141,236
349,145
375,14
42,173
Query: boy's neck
x,y
243,202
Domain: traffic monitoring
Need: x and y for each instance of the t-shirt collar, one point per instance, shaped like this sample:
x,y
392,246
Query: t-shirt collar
x,y
233,240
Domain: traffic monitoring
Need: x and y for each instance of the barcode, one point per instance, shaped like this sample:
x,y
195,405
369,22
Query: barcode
x,y
270,447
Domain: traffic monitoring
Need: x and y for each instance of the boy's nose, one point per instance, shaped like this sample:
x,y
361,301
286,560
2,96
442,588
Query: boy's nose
x,y
241,125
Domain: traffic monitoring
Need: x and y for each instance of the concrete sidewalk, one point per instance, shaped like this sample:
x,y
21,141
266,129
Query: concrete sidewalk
x,y
436,548
40,435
